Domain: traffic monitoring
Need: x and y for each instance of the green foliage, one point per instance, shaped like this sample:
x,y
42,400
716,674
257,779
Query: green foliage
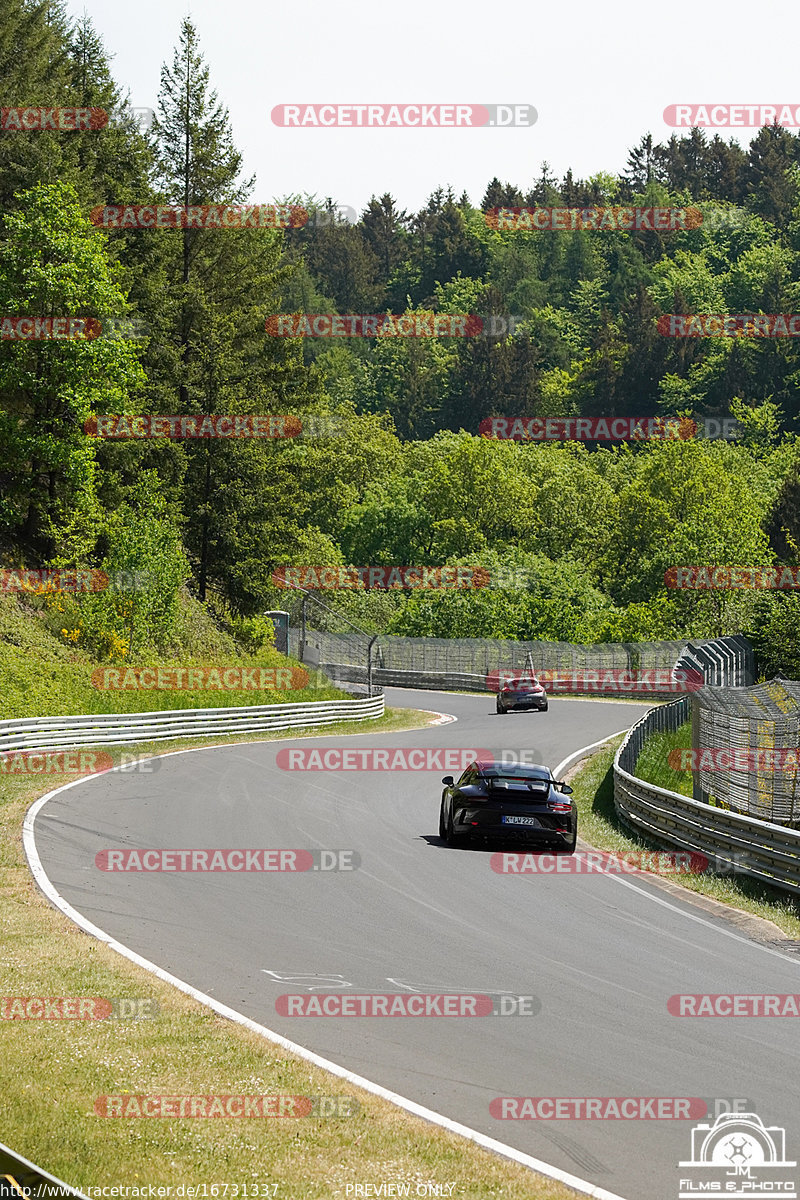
x,y
577,540
253,632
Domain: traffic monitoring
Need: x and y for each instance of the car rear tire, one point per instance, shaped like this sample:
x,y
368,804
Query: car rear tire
x,y
450,836
570,847
500,710
442,826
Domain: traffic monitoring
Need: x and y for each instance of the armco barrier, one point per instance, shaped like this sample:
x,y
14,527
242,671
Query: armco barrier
x,y
59,733
758,849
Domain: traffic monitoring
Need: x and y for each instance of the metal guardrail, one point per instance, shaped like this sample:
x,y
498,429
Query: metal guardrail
x,y
60,733
453,681
759,849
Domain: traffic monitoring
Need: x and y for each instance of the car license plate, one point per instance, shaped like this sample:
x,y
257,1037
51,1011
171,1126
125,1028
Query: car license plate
x,y
521,821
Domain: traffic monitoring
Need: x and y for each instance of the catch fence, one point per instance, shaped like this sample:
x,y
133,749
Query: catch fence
x,y
762,722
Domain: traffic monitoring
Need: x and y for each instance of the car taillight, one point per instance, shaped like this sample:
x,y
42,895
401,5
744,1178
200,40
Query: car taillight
x,y
561,807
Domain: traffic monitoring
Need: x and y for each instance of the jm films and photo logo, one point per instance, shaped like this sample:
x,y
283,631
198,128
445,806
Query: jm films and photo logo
x,y
379,325
77,1008
615,219
608,680
233,861
200,679
403,1004
725,758
740,325
403,116
598,862
780,577
220,1106
738,1156
199,216
381,578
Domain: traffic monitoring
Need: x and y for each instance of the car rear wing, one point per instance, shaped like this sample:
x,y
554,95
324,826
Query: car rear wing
x,y
513,783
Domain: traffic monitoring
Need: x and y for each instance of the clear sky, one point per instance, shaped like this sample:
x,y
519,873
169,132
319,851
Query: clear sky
x,y
599,75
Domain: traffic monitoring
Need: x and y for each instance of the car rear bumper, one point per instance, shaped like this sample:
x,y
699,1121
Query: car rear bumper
x,y
552,827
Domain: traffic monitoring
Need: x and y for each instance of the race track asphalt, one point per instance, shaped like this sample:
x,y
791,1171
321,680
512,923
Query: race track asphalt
x,y
601,955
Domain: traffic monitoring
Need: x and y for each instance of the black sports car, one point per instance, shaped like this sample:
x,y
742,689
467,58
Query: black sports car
x,y
524,691
496,799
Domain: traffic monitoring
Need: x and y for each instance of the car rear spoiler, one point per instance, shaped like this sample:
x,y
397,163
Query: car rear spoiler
x,y
512,783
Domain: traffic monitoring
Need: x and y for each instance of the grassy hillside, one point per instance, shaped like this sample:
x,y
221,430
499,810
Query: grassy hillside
x,y
42,675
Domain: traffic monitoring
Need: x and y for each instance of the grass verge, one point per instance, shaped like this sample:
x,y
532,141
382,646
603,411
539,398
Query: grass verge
x,y
52,1071
598,824
653,765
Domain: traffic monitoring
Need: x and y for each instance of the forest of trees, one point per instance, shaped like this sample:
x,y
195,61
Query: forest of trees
x,y
577,537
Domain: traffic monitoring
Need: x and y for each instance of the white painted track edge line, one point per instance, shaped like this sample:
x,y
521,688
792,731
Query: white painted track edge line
x,y
582,1186
41,1171
629,883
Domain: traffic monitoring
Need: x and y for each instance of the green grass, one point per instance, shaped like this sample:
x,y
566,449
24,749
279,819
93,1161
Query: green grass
x,y
42,676
599,825
51,1072
653,765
